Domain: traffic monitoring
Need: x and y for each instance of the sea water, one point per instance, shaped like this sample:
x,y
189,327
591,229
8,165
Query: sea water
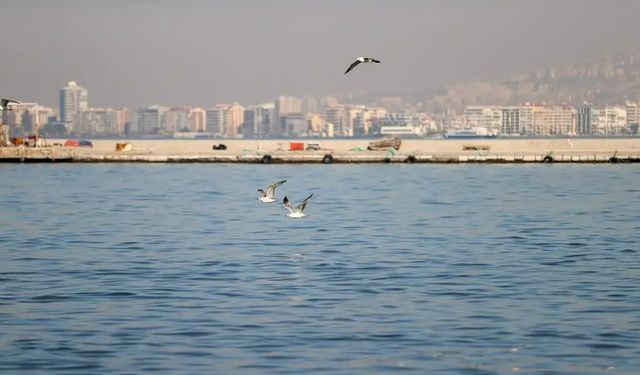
x,y
448,269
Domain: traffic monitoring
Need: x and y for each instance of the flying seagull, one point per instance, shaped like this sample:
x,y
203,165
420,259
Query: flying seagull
x,y
269,195
5,102
297,211
362,60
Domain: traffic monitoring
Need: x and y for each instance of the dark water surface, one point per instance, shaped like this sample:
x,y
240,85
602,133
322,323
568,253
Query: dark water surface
x,y
418,269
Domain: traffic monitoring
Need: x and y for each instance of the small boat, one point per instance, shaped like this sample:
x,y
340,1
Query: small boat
x,y
220,147
78,143
124,146
385,144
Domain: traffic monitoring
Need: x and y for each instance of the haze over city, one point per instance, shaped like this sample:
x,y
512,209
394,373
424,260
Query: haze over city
x,y
319,187
136,53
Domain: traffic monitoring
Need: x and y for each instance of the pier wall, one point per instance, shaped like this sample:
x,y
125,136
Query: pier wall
x,y
513,146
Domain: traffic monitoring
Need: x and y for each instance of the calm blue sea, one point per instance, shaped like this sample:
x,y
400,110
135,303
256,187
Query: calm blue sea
x,y
448,269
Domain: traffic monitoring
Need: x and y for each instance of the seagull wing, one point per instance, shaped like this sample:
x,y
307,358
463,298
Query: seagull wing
x,y
355,63
287,205
302,205
375,61
6,101
271,190
262,193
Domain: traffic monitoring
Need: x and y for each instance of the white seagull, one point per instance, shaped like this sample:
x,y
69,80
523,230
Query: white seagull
x,y
297,211
269,195
362,60
4,103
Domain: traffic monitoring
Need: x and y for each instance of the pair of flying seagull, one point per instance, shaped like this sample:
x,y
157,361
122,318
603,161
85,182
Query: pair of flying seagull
x,y
269,195
4,103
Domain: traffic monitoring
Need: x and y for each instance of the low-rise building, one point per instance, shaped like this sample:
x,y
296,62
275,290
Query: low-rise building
x,y
488,117
150,119
611,120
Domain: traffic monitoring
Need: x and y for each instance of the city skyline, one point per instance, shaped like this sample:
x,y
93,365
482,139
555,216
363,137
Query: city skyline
x,y
249,51
287,116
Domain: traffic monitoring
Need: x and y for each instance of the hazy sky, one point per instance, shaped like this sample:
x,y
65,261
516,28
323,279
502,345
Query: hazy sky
x,y
179,52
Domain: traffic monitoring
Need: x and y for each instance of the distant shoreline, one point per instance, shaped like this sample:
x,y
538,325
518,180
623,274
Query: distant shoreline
x,y
266,151
368,138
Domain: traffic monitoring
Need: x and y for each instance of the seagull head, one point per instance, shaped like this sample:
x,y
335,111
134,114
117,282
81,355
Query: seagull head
x,y
360,58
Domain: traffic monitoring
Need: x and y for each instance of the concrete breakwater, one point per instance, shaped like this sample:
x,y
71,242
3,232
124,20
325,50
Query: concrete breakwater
x,y
570,150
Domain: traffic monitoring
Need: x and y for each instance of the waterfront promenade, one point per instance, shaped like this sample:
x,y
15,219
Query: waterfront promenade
x,y
587,150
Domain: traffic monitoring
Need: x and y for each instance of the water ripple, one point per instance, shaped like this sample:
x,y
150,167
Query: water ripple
x,y
429,269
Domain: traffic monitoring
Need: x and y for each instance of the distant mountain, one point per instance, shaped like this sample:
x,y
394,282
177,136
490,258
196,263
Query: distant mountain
x,y
611,80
